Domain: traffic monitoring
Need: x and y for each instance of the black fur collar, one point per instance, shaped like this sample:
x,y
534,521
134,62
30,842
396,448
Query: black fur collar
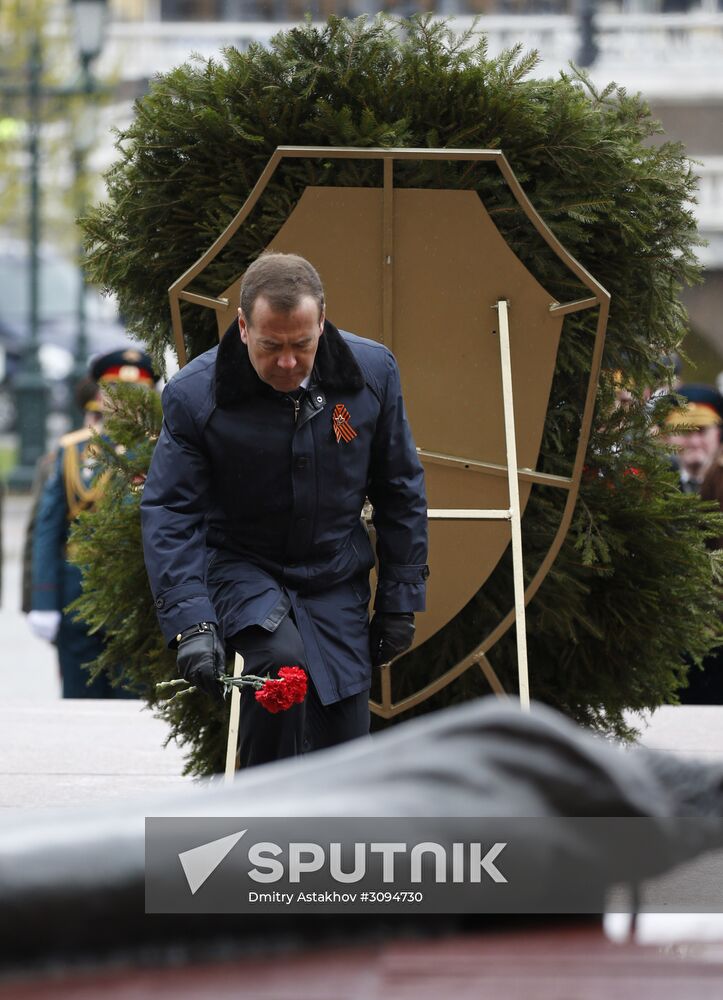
x,y
335,367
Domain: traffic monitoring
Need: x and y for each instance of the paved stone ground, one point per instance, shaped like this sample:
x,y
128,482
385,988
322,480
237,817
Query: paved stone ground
x,y
694,731
56,752
28,666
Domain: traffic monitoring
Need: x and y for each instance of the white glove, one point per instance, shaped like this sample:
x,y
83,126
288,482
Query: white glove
x,y
44,624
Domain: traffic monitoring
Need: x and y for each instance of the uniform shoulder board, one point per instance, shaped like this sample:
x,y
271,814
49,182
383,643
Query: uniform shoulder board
x,y
75,437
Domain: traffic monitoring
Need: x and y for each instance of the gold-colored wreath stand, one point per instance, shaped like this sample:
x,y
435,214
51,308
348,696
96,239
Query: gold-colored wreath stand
x,y
427,272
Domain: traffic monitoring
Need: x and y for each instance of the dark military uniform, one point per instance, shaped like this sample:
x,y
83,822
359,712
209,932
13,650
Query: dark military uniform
x,y
702,408
71,487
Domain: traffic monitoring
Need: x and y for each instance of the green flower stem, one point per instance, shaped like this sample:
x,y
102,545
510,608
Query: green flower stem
x,y
248,680
182,694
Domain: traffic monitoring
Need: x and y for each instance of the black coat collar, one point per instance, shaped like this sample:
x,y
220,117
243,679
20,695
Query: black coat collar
x,y
335,367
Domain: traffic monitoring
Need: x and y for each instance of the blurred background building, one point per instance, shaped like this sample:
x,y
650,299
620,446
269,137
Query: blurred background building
x,y
669,50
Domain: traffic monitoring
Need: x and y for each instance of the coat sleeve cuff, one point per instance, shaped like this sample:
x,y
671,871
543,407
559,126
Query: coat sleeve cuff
x,y
182,614
398,596
403,572
45,597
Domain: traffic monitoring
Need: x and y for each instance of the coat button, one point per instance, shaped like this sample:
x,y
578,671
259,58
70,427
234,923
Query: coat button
x,y
301,462
301,522
160,603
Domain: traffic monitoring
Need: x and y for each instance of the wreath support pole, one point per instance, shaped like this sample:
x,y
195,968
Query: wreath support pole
x,y
512,513
233,721
515,516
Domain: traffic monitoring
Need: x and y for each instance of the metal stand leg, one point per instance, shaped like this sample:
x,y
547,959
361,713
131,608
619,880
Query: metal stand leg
x,y
515,518
233,722
492,678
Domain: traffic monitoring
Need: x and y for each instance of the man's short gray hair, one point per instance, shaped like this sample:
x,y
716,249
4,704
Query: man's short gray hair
x,y
283,279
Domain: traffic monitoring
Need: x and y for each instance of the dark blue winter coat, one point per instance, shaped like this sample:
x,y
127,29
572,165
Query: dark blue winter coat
x,y
251,509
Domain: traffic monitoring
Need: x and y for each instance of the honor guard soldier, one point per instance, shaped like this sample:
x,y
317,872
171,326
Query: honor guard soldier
x,y
693,429
73,486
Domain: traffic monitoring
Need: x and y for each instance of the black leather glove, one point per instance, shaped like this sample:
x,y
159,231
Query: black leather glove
x,y
390,633
201,658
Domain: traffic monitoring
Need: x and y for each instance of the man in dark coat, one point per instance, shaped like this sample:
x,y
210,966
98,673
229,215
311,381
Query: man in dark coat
x,y
251,512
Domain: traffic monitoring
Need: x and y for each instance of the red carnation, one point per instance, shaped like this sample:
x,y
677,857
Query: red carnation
x,y
274,697
296,681
279,695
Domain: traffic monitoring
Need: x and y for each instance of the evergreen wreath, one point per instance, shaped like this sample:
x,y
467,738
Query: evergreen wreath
x,y
634,584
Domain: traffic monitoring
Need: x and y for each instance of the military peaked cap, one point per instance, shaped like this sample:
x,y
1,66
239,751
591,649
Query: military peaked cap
x,y
126,365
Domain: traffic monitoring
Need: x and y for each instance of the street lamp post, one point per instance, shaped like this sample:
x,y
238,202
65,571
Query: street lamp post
x,y
89,22
31,390
588,50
